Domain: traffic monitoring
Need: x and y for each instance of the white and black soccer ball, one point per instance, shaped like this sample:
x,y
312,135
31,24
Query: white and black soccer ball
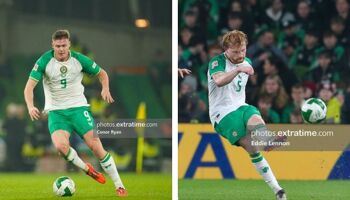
x,y
64,186
313,110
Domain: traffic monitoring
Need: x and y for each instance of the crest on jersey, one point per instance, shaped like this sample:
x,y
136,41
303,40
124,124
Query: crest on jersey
x,y
36,66
63,69
214,64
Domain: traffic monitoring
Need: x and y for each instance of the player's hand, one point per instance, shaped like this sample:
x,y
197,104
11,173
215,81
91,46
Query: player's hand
x,y
246,69
34,113
106,96
183,72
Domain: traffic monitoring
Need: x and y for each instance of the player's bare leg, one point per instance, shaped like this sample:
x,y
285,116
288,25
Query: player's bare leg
x,y
261,165
259,133
60,140
106,161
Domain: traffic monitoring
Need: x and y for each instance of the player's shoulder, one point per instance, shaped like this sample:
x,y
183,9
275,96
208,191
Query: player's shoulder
x,y
45,58
76,54
218,58
246,59
79,56
47,55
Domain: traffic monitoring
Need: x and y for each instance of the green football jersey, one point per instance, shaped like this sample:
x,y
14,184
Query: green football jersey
x,y
228,98
62,80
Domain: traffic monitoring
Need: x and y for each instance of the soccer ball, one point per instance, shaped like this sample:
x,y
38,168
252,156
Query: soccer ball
x,y
64,186
313,110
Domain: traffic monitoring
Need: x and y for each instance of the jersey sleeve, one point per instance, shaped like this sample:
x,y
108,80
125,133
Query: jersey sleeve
x,y
89,66
216,65
36,73
248,61
39,67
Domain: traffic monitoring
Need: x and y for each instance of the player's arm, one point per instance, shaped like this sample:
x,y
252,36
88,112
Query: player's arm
x,y
224,78
104,80
34,112
91,68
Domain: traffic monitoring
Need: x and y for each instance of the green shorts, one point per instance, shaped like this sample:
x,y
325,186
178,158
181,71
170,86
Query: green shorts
x,y
234,125
77,119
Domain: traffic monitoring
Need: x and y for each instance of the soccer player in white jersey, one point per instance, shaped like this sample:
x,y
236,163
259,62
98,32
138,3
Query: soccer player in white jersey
x,y
231,117
62,71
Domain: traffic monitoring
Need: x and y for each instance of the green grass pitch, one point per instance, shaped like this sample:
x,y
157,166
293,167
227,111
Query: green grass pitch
x,y
258,190
16,186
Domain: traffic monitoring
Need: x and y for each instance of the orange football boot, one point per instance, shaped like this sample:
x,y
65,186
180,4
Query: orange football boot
x,y
95,174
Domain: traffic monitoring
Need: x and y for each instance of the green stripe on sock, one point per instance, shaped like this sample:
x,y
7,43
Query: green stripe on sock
x,y
260,158
66,156
253,156
106,158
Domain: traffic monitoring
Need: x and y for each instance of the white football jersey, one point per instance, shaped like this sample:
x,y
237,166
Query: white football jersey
x,y
62,80
228,98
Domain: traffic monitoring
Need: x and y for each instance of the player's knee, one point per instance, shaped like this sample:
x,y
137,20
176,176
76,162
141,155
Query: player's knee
x,y
62,148
255,119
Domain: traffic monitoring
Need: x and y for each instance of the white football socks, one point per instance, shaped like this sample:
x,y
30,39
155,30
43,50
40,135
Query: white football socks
x,y
73,157
109,167
263,167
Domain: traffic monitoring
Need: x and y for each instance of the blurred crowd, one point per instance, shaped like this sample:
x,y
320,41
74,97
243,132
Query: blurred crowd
x,y
299,49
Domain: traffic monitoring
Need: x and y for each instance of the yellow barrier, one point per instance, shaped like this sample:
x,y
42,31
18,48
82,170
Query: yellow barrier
x,y
204,154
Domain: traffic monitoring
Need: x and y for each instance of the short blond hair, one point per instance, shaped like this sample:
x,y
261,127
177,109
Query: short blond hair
x,y
234,38
59,34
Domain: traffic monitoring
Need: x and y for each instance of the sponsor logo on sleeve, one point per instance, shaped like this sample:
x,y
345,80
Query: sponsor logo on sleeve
x,y
94,65
35,68
214,64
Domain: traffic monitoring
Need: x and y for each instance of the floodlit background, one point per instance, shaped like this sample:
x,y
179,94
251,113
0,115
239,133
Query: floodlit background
x,y
131,40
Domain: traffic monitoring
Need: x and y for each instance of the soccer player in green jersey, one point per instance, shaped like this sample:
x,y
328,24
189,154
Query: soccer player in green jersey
x,y
62,71
231,117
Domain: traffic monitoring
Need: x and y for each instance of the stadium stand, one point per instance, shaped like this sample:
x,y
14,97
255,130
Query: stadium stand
x,y
294,37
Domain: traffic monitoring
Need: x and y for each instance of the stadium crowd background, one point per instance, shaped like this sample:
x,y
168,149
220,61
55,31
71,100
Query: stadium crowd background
x,y
105,31
299,49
